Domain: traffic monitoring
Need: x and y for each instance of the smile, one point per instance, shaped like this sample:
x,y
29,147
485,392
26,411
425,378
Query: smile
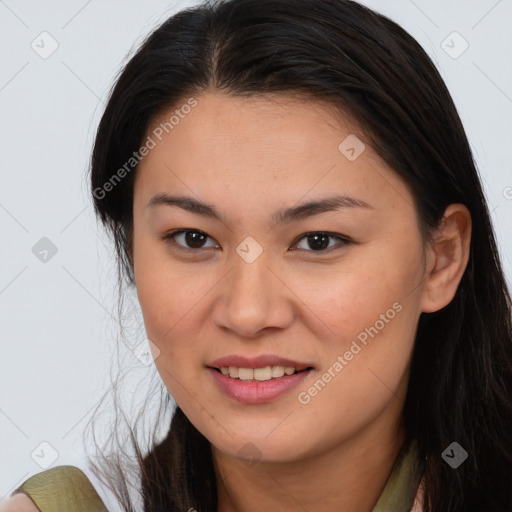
x,y
252,390
258,374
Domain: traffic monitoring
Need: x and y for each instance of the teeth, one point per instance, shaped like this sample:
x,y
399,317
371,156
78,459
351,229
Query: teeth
x,y
277,371
261,374
244,373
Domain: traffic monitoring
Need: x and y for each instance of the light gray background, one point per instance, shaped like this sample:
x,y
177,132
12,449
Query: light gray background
x,y
58,318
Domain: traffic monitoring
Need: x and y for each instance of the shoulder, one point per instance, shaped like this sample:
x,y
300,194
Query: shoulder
x,y
19,502
59,488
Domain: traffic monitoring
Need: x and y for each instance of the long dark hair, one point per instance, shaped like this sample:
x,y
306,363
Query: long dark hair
x,y
367,66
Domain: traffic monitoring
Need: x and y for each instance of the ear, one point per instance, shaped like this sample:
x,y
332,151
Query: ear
x,y
447,257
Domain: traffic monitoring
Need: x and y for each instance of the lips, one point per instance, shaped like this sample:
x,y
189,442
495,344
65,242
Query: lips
x,y
257,389
257,362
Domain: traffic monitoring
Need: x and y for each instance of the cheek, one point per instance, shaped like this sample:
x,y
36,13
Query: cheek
x,y
167,304
169,322
371,308
351,297
166,294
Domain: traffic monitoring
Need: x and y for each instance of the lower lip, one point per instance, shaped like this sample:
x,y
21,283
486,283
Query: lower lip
x,y
257,392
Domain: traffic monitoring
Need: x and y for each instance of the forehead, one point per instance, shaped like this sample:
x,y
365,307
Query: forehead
x,y
267,144
289,125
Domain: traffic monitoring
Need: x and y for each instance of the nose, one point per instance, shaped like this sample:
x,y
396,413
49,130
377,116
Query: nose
x,y
253,297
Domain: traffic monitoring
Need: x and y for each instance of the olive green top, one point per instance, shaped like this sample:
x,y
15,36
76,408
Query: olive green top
x,y
62,489
402,485
67,489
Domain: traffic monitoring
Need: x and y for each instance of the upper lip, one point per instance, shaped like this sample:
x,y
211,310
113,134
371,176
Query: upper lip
x,y
257,362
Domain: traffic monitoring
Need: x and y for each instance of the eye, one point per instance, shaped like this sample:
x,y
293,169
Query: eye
x,y
319,241
190,239
193,239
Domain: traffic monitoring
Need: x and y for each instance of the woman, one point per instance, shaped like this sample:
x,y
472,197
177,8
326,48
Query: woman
x,y
292,194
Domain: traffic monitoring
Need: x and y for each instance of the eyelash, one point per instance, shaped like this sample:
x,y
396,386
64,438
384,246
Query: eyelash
x,y
169,238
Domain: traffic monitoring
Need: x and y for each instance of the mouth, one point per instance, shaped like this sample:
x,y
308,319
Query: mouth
x,y
257,380
259,374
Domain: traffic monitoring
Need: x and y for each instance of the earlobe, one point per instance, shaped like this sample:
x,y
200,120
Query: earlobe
x,y
448,255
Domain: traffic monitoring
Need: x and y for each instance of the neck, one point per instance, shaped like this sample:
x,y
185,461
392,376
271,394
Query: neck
x,y
350,476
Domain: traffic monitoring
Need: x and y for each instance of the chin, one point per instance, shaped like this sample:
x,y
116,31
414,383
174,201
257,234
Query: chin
x,y
257,448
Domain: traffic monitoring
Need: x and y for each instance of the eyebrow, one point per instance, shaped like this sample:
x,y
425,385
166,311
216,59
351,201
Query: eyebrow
x,y
285,215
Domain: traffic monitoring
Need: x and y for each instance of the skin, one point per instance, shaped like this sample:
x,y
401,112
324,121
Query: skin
x,y
250,158
18,503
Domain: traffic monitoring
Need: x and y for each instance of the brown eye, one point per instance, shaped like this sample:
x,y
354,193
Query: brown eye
x,y
193,239
188,239
319,241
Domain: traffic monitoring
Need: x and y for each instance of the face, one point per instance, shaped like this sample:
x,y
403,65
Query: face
x,y
255,279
